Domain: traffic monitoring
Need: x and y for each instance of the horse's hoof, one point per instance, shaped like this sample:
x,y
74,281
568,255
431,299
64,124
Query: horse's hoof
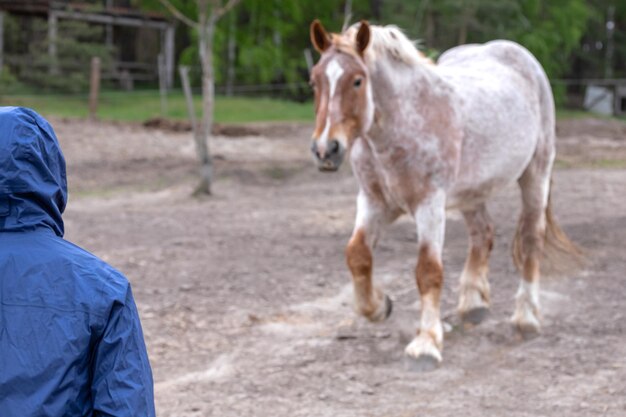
x,y
383,312
423,363
388,306
422,354
526,331
526,324
475,316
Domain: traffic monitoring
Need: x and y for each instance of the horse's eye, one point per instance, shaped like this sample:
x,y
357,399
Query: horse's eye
x,y
357,82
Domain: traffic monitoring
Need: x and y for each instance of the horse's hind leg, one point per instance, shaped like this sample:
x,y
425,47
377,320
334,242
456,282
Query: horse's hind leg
x,y
529,240
371,217
474,293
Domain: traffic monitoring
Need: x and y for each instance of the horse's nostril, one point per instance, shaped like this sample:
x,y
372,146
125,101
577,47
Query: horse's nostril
x,y
333,147
314,149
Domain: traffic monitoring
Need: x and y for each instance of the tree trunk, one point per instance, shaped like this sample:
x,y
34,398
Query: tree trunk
x,y
52,43
1,39
467,13
463,27
207,31
610,45
232,45
430,27
375,8
347,15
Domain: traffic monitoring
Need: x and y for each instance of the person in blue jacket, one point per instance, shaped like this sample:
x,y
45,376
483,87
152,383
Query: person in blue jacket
x,y
71,342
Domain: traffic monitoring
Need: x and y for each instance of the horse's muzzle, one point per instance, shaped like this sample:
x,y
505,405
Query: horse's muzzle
x,y
330,159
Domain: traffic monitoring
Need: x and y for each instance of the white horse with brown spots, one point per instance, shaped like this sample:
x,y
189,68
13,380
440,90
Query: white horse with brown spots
x,y
424,138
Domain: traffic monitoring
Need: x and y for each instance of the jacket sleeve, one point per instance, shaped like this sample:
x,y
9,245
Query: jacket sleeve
x,y
122,383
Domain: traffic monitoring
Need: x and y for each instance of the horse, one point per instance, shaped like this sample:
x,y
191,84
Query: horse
x,y
423,138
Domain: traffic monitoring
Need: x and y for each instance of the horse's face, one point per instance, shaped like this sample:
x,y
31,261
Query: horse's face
x,y
343,97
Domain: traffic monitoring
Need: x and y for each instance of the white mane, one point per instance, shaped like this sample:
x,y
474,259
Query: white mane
x,y
389,41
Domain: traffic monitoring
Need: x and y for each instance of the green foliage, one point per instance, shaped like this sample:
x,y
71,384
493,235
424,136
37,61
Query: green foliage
x,y
8,82
551,31
271,36
76,44
271,40
590,58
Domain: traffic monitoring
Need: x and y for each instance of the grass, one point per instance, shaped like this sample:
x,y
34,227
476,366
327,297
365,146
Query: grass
x,y
601,163
563,113
139,106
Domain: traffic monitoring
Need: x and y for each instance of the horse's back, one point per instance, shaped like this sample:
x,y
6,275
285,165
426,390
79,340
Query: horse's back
x,y
496,62
506,52
507,106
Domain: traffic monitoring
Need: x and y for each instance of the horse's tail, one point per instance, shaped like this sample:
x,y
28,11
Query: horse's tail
x,y
560,255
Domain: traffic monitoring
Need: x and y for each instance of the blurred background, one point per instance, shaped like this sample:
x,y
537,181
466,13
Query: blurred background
x,y
262,50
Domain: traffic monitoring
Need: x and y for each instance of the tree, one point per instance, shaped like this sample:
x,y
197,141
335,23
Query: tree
x,y
552,30
590,60
209,12
77,42
263,41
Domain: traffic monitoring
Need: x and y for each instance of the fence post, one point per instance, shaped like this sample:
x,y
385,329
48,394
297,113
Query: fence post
x,y
94,87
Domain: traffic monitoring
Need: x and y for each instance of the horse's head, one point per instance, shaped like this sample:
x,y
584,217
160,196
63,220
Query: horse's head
x,y
344,109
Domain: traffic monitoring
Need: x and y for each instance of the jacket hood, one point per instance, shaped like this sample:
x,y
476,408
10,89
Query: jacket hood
x,y
33,182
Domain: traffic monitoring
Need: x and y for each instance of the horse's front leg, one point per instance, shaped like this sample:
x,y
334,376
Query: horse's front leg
x,y
372,216
430,217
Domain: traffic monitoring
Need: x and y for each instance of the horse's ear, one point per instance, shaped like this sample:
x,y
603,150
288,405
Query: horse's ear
x,y
363,37
319,37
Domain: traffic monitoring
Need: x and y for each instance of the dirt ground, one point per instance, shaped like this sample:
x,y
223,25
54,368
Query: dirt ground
x,y
246,302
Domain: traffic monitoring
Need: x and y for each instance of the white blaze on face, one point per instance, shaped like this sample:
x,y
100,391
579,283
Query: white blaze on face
x,y
369,114
334,73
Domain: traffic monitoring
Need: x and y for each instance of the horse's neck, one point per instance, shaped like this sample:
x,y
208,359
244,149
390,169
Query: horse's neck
x,y
402,98
418,120
393,84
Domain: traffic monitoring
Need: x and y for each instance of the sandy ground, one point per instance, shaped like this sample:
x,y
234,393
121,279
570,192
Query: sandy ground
x,y
246,302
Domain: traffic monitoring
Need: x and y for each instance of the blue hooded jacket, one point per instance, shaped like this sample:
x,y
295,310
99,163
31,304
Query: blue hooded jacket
x,y
71,342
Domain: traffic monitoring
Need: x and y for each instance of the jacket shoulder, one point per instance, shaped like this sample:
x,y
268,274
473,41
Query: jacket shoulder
x,y
41,269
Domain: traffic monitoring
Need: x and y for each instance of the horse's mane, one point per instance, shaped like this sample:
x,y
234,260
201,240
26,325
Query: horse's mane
x,y
385,41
